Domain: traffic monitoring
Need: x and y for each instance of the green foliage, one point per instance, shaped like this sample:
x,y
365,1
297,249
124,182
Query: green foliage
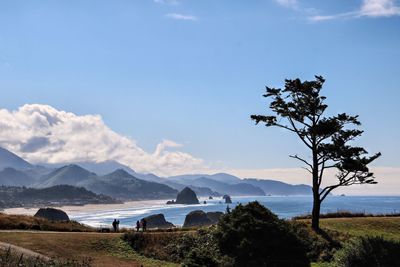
x,y
254,236
299,108
369,252
319,246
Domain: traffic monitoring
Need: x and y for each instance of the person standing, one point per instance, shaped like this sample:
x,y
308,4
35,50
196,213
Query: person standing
x,y
144,225
114,225
137,226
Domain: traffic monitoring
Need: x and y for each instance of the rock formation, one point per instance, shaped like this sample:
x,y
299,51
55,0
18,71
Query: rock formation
x,y
228,199
186,196
52,214
200,218
158,221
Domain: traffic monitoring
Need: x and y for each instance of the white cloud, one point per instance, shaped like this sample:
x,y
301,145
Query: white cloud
x,y
379,8
43,134
369,8
181,16
168,2
288,3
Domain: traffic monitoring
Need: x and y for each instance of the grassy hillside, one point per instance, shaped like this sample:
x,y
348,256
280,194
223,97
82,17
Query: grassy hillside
x,y
100,249
111,250
22,222
388,227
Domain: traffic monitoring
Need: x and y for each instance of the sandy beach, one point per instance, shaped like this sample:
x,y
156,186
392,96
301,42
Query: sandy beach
x,y
92,208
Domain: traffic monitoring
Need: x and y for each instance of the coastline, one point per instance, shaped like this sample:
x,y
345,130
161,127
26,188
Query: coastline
x,y
77,210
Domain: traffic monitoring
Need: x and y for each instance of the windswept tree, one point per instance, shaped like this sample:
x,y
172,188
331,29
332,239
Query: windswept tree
x,y
300,108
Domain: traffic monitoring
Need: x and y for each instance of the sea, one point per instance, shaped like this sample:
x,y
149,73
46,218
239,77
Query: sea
x,y
284,206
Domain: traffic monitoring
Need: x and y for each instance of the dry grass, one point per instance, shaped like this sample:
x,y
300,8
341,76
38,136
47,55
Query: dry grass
x,y
387,227
102,249
23,222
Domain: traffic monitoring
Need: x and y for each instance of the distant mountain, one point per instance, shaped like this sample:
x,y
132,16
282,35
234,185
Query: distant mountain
x,y
9,159
104,167
272,187
57,195
120,184
10,176
240,189
67,175
220,177
200,191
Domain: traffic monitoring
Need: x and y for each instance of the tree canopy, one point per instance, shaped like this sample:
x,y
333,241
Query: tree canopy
x,y
300,108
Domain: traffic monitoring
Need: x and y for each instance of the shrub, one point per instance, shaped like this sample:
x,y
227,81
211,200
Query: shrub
x,y
254,236
369,252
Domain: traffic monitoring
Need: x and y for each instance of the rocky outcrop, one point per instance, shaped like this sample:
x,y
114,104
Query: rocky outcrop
x,y
196,218
158,221
186,196
200,218
214,216
228,199
52,214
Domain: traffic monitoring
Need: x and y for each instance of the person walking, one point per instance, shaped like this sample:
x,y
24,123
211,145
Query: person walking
x,y
137,226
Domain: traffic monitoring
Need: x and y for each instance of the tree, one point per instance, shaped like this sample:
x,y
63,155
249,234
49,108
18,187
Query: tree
x,y
300,108
253,236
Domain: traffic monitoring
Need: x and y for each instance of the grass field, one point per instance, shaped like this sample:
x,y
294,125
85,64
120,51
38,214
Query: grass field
x,y
101,249
110,250
388,227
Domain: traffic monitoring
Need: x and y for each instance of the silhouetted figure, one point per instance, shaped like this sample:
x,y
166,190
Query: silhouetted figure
x,y
144,225
228,210
137,226
114,225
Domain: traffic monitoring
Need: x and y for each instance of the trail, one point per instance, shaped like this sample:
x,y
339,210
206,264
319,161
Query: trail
x,y
20,250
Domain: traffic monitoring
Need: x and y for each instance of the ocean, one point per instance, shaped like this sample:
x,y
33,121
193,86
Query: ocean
x,y
283,206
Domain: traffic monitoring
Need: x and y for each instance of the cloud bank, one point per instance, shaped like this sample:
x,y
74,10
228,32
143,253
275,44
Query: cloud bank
x,y
387,178
43,134
368,8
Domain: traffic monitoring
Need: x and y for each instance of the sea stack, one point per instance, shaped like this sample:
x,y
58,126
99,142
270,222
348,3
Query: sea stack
x,y
187,196
228,199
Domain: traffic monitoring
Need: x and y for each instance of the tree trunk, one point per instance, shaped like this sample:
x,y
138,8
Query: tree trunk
x,y
316,211
317,202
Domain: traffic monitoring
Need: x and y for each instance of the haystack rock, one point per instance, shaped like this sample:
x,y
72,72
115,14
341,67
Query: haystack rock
x,y
52,214
187,196
158,221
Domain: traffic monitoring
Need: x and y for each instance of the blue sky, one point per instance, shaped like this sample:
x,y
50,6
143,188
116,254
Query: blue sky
x,y
194,71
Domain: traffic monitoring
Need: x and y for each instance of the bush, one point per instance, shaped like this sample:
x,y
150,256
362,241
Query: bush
x,y
254,236
319,246
369,252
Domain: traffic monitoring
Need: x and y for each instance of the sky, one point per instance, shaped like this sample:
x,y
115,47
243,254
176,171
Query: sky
x,y
168,86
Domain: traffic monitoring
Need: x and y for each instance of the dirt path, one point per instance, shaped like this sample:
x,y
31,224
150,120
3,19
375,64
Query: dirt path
x,y
20,250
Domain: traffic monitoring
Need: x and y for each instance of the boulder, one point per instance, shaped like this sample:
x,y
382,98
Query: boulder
x,y
158,221
228,199
214,216
196,218
52,214
187,196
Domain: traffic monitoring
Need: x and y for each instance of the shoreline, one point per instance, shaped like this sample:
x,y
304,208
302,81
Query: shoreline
x,y
82,209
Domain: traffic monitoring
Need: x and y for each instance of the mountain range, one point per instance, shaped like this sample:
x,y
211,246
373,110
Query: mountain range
x,y
121,182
